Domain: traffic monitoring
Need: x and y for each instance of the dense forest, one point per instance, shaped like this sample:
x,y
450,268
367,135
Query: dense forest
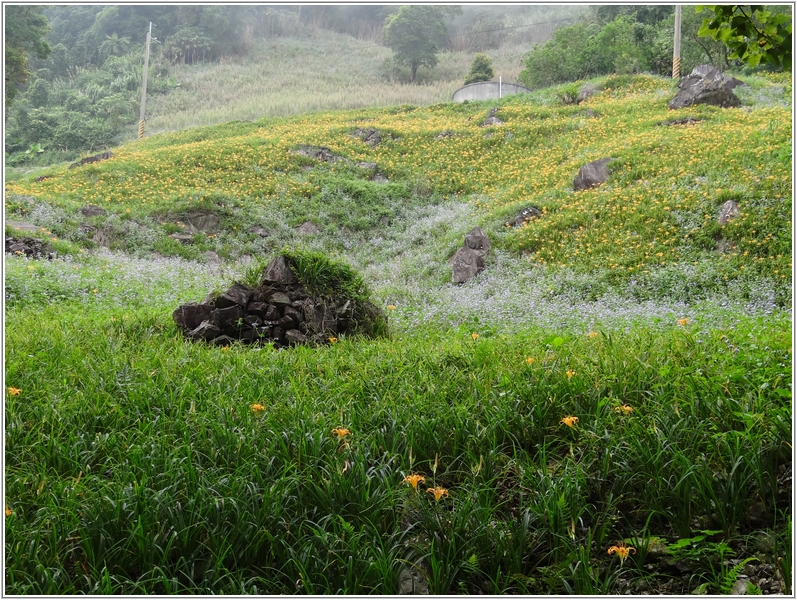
x,y
74,73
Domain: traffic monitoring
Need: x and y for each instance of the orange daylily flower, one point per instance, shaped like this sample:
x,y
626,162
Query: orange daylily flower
x,y
569,421
341,432
438,492
414,480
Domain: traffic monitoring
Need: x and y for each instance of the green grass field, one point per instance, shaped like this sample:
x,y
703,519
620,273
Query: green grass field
x,y
618,377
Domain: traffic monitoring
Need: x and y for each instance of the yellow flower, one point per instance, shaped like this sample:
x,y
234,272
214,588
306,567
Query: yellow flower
x,y
391,307
569,421
592,334
341,432
413,480
475,336
257,408
9,512
530,360
625,409
333,339
683,321
622,551
438,492
12,391
570,374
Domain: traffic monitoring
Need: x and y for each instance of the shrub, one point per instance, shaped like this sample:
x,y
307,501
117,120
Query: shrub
x,y
480,70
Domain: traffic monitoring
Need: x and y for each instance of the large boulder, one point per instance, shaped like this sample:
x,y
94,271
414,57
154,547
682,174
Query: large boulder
x,y
466,264
729,210
592,174
706,85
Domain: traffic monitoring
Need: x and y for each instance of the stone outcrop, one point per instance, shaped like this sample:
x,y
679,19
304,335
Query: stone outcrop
x,y
280,311
30,247
706,85
587,91
92,159
372,137
491,119
526,214
592,174
469,259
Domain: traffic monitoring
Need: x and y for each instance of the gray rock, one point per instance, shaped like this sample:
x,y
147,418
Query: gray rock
x,y
706,85
224,317
280,299
526,214
477,240
205,331
294,336
93,211
412,582
308,227
278,271
183,238
259,231
258,309
587,90
190,316
492,119
728,211
592,174
238,294
203,222
466,264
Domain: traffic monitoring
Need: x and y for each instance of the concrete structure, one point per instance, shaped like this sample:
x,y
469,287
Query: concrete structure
x,y
488,90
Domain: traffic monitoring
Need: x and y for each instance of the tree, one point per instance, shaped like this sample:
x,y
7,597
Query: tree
x,y
753,34
480,70
413,33
25,29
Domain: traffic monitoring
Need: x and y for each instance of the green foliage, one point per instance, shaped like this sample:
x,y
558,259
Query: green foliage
x,y
480,70
414,34
25,29
754,34
325,276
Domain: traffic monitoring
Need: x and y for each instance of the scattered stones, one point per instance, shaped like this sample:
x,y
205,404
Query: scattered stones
x,y
492,119
92,159
379,178
728,211
319,153
526,214
683,121
30,247
706,85
469,259
279,311
443,135
592,174
41,178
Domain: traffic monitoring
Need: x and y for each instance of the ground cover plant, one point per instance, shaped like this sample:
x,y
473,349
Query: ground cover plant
x,y
605,409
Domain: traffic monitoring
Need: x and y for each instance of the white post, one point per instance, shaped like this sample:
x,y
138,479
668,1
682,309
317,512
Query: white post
x,y
500,88
676,48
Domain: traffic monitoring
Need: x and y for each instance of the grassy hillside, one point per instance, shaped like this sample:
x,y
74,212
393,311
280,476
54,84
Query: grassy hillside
x,y
619,375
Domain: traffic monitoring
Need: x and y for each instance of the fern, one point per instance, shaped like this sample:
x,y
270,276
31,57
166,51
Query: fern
x,y
733,575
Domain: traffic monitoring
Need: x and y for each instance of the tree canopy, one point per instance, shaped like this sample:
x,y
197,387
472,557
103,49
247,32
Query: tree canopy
x,y
414,33
25,28
480,70
754,34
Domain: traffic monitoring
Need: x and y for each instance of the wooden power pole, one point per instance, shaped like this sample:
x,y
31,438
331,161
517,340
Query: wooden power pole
x,y
144,85
676,47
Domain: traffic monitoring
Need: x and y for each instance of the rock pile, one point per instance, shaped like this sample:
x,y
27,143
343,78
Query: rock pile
x,y
592,174
280,311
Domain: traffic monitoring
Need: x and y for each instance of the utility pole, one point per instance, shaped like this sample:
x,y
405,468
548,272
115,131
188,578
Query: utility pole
x,y
144,86
676,47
